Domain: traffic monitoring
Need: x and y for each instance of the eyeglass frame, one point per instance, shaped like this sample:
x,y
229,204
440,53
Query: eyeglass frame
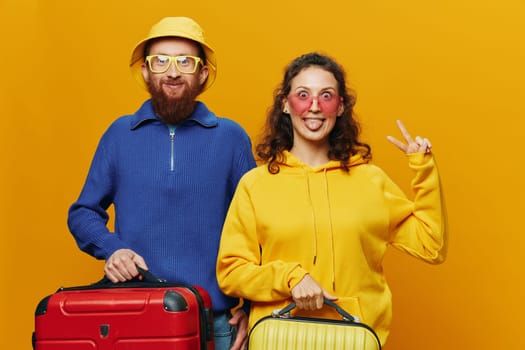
x,y
173,60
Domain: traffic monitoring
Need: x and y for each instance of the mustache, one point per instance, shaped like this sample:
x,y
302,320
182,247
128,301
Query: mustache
x,y
173,80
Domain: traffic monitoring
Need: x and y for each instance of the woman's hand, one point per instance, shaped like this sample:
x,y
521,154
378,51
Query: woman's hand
x,y
416,145
309,295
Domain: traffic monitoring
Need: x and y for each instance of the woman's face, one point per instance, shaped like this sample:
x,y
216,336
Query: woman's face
x,y
313,104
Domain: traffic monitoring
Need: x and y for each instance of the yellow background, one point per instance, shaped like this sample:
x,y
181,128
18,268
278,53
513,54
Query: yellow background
x,y
452,70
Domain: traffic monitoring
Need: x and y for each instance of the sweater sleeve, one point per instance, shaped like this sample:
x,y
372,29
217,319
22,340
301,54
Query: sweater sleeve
x,y
240,271
88,217
243,161
419,227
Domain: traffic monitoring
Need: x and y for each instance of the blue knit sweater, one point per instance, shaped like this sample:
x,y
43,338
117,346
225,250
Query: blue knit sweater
x,y
170,187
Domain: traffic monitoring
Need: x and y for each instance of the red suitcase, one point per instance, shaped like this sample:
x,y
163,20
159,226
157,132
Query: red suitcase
x,y
125,316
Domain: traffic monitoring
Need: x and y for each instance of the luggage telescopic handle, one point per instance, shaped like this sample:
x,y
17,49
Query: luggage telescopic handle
x,y
346,316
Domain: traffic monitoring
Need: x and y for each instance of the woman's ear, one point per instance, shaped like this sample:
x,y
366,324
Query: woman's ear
x,y
286,108
341,108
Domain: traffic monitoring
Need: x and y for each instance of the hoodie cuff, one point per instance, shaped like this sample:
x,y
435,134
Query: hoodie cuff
x,y
420,158
295,276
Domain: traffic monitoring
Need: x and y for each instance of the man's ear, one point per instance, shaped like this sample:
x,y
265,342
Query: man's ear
x,y
203,75
145,72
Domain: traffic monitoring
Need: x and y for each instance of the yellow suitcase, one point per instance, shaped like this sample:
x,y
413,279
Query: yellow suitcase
x,y
280,331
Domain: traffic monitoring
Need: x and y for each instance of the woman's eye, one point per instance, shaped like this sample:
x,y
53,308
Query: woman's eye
x,y
326,96
302,95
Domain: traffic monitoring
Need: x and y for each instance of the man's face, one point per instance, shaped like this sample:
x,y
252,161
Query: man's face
x,y
173,93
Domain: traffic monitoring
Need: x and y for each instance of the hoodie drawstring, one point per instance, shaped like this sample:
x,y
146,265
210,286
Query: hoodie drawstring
x,y
313,215
314,221
331,228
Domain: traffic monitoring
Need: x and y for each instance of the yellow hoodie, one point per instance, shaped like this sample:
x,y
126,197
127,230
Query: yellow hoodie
x,y
334,225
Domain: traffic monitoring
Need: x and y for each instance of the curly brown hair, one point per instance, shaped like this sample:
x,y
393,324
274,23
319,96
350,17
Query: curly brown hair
x,y
277,135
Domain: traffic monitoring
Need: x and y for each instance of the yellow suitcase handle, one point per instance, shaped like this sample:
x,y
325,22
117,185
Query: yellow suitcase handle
x,y
285,311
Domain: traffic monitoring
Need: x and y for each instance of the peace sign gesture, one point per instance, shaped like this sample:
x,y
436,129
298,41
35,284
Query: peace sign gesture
x,y
416,145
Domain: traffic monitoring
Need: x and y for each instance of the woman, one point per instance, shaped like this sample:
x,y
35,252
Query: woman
x,y
315,221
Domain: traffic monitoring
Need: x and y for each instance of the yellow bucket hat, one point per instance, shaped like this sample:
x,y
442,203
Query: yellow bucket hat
x,y
182,27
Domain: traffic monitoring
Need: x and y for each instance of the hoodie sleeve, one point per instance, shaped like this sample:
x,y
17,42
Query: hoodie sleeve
x,y
419,227
240,271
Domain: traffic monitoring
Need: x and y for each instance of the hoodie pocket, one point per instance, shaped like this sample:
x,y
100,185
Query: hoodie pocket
x,y
350,305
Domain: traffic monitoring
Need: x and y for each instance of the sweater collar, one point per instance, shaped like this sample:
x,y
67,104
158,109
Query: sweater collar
x,y
201,115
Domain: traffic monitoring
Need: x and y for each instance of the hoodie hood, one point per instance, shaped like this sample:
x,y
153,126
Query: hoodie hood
x,y
293,162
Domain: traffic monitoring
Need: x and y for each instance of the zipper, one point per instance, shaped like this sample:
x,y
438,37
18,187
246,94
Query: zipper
x,y
172,146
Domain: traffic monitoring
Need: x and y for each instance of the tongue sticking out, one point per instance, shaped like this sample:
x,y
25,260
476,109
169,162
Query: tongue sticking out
x,y
313,124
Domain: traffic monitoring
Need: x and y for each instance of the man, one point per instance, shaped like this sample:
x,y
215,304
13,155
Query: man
x,y
170,171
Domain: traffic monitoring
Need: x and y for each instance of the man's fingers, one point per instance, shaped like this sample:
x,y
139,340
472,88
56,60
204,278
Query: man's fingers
x,y
121,265
139,261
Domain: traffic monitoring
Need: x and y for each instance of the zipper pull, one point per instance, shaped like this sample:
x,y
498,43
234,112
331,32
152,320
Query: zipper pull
x,y
172,146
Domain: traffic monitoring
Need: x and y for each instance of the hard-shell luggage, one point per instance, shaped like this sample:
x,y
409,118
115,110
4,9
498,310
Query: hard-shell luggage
x,y
139,315
280,331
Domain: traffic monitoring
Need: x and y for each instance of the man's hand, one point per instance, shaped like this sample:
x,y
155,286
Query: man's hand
x,y
120,266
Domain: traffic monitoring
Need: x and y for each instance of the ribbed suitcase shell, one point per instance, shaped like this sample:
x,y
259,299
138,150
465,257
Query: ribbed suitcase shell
x,y
302,333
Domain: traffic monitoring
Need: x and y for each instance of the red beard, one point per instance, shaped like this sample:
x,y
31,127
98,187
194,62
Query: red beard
x,y
173,110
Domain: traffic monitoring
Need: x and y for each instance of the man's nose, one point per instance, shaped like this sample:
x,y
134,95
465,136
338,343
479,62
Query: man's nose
x,y
172,70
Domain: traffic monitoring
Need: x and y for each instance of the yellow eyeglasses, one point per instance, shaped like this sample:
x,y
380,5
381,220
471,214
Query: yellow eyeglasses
x,y
184,64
